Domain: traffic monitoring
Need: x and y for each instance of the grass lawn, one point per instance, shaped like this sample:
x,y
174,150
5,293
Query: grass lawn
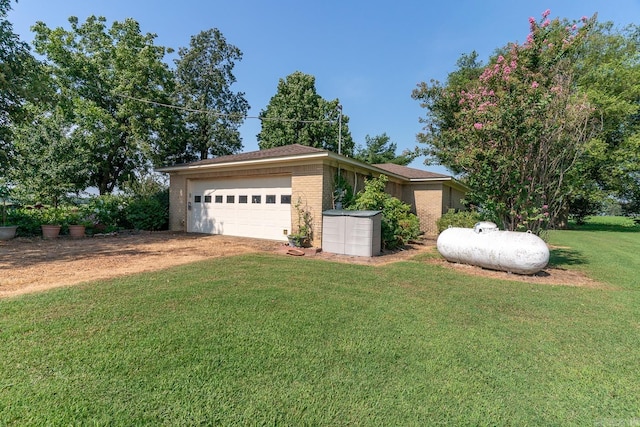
x,y
271,340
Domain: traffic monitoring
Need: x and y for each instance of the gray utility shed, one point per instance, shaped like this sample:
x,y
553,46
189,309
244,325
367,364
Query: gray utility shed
x,y
352,232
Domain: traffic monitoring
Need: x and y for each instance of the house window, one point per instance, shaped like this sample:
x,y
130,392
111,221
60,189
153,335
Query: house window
x,y
218,199
270,199
231,199
242,199
197,199
285,199
256,199
207,199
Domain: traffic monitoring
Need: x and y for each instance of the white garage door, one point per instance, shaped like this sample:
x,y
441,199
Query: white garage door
x,y
247,207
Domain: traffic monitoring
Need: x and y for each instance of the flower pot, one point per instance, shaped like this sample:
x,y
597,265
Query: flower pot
x,y
77,231
8,232
50,231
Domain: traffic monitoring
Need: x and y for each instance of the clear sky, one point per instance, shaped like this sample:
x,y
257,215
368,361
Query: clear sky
x,y
368,54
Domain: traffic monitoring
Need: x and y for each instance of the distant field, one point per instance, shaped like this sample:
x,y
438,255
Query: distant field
x,y
271,340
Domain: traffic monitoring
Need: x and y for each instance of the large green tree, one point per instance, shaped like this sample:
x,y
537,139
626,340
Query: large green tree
x,y
296,114
379,149
213,111
50,163
105,78
609,73
20,81
516,131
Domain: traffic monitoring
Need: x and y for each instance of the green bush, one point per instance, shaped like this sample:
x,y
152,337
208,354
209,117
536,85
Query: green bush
x,y
27,220
30,219
464,219
147,213
399,225
108,211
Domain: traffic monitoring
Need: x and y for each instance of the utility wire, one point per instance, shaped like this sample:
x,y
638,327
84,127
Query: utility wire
x,y
217,114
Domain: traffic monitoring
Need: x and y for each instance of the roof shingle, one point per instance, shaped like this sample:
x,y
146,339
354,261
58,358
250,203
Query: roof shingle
x,y
409,173
269,153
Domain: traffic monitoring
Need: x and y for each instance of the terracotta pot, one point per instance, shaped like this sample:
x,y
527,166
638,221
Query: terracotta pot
x,y
50,231
8,232
76,231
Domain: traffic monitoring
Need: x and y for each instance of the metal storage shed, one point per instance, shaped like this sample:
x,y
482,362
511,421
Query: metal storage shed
x,y
352,232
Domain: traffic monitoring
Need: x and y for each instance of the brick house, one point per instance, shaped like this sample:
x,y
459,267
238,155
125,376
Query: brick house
x,y
254,194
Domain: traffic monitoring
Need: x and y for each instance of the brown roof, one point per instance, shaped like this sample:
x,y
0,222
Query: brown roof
x,y
409,173
284,151
302,150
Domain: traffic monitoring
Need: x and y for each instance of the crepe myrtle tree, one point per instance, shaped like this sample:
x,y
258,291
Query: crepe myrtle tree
x,y
515,128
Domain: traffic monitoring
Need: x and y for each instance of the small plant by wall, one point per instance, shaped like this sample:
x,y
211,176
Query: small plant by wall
x,y
303,235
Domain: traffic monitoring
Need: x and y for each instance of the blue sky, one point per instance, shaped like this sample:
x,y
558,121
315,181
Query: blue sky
x,y
368,54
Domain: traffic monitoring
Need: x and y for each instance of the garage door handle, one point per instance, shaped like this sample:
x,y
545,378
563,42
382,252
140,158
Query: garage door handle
x,y
189,206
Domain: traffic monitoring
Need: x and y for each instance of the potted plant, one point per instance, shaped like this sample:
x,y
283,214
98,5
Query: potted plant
x,y
302,237
78,222
51,222
6,231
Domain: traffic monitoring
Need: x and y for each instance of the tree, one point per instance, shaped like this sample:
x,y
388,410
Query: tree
x,y
52,164
609,73
296,114
105,78
380,149
19,82
515,132
204,74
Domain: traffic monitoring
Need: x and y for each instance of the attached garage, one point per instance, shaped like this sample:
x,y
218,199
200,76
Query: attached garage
x,y
255,194
248,207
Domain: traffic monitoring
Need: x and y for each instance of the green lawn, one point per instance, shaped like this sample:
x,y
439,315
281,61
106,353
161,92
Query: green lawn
x,y
271,340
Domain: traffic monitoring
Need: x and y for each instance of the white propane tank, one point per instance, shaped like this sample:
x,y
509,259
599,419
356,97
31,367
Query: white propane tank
x,y
486,246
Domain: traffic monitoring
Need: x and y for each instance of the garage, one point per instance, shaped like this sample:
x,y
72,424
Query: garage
x,y
257,207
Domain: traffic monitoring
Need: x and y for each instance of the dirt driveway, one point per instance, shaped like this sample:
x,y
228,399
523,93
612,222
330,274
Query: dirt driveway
x,y
33,265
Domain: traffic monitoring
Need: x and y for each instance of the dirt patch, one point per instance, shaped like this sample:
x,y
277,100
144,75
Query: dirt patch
x,y
548,276
33,265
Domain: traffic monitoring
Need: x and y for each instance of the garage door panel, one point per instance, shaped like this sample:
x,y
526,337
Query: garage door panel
x,y
223,212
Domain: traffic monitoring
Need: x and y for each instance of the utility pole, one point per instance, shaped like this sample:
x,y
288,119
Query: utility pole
x,y
339,107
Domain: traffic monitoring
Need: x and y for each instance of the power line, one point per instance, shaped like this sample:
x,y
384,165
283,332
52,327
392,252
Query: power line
x,y
218,114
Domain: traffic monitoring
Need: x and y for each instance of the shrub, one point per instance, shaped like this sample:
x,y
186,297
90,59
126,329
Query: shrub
x,y
30,219
399,225
147,213
464,219
108,211
27,220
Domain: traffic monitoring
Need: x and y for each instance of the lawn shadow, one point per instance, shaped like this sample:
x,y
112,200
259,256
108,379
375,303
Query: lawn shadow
x,y
562,256
620,228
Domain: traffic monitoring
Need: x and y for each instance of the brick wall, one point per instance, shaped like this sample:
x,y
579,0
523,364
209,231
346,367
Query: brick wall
x,y
307,188
426,199
178,203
